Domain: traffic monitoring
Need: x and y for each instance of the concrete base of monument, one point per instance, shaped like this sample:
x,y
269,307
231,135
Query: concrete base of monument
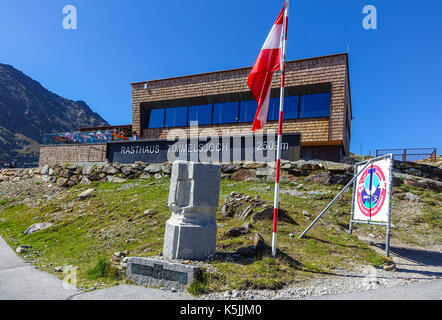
x,y
189,241
155,272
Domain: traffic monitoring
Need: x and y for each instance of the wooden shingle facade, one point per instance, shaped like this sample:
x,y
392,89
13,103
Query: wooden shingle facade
x,y
325,137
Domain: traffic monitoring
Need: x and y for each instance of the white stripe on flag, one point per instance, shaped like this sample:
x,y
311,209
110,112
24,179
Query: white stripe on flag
x,y
273,40
262,116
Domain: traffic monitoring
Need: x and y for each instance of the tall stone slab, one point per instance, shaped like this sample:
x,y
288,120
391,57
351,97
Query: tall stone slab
x,y
193,199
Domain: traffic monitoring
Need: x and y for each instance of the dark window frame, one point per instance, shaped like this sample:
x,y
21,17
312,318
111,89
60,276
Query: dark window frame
x,y
321,116
199,105
285,109
239,111
148,117
238,121
223,123
186,121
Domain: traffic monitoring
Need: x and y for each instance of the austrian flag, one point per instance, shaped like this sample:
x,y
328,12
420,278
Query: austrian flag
x,y
260,78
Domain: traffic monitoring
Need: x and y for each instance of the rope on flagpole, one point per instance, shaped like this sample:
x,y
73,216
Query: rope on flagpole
x,y
281,111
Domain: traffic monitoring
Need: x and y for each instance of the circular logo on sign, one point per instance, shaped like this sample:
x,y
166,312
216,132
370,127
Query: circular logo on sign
x,y
371,191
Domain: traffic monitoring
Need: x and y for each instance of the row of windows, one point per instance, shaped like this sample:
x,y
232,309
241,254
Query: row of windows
x,y
295,107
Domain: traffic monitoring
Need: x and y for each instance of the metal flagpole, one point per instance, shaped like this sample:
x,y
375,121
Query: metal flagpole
x,y
350,227
281,109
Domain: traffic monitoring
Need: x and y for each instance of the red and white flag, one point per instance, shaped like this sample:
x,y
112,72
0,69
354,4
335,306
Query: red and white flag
x,y
260,78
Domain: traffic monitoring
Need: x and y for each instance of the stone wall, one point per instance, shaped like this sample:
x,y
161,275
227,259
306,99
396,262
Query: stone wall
x,y
323,172
82,153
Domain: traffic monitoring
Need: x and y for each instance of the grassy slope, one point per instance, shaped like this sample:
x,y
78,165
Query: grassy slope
x,y
86,232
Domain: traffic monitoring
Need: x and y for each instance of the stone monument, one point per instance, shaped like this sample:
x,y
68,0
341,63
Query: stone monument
x,y
190,232
193,199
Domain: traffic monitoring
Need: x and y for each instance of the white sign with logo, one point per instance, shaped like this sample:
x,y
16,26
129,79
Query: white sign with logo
x,y
372,192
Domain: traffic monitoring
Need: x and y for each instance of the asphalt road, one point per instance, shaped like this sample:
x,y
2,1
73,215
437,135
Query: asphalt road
x,y
428,290
20,281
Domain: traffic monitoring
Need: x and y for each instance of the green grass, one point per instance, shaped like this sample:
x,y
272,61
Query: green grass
x,y
103,269
6,201
86,234
199,284
432,217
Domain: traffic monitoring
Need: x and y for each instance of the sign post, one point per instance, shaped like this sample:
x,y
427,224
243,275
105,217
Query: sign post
x,y
371,201
372,188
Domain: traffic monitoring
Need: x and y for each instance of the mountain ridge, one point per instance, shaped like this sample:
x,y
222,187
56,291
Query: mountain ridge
x,y
28,110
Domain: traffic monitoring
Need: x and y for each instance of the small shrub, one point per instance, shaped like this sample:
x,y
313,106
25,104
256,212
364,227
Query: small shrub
x,y
199,284
103,269
313,267
3,202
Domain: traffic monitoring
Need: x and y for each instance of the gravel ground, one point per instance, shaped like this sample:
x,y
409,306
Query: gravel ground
x,y
414,265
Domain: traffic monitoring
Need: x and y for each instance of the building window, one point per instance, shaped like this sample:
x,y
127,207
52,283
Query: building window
x,y
225,112
202,114
306,106
247,110
315,105
176,117
273,109
291,107
156,118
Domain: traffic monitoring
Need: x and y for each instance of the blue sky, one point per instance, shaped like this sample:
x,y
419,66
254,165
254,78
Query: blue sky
x,y
394,70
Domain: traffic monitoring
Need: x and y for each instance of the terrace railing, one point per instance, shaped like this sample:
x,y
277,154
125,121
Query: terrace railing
x,y
412,154
77,137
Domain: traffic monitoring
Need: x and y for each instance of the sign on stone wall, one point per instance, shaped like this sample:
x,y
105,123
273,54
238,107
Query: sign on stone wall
x,y
255,148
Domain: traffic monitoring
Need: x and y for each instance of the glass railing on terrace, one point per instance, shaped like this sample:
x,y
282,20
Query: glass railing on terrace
x,y
77,137
411,154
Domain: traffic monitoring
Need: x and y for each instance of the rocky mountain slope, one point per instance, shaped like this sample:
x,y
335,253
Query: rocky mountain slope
x,y
28,110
